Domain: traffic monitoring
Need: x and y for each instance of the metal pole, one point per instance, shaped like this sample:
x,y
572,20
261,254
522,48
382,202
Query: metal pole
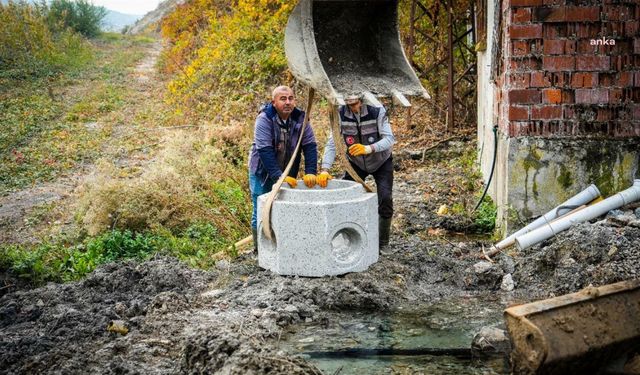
x,y
412,41
450,119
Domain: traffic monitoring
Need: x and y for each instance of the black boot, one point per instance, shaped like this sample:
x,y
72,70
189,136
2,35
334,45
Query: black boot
x,y
384,227
254,233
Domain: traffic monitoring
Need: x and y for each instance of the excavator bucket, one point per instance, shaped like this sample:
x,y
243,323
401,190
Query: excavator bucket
x,y
576,333
350,47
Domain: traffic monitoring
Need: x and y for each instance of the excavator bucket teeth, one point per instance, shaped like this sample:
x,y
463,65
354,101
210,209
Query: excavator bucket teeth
x,y
577,333
349,47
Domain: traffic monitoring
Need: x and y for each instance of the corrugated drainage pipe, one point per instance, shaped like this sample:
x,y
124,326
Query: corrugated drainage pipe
x,y
585,196
549,230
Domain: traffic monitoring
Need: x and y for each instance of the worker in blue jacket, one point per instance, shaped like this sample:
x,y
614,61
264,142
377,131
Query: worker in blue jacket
x,y
277,130
366,131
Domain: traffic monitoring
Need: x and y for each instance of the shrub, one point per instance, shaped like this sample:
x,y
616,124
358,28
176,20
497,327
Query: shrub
x,y
79,15
30,48
485,216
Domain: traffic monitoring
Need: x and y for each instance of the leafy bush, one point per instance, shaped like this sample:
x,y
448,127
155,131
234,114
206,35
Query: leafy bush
x,y
29,47
485,216
78,15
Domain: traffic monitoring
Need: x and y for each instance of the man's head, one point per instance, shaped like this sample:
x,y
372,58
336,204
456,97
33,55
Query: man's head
x,y
284,101
354,102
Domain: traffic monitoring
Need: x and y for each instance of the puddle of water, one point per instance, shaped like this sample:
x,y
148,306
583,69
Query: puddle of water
x,y
401,341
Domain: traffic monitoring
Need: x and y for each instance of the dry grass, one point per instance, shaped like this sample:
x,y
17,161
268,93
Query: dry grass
x,y
193,179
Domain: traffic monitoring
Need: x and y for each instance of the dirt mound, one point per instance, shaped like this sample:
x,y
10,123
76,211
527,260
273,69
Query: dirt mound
x,y
43,327
224,352
596,254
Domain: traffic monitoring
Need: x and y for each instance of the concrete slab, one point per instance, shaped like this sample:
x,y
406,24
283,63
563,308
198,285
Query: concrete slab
x,y
320,232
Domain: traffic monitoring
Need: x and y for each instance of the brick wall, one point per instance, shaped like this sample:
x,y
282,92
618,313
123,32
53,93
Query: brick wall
x,y
555,82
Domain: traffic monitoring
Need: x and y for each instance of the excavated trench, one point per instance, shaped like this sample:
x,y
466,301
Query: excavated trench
x,y
414,311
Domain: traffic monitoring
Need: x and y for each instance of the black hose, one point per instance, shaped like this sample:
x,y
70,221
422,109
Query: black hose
x,y
493,166
462,353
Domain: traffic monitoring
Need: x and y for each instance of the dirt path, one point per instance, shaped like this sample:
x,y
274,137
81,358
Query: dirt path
x,y
27,215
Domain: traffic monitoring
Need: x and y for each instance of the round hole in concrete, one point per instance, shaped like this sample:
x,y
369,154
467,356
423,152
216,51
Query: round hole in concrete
x,y
346,245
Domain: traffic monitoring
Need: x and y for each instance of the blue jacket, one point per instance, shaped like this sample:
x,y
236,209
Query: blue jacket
x,y
263,158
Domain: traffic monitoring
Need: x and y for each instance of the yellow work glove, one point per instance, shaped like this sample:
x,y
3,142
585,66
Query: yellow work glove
x,y
291,181
309,180
359,150
323,179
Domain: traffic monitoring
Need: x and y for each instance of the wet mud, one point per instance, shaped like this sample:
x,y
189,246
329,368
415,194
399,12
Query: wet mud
x,y
162,317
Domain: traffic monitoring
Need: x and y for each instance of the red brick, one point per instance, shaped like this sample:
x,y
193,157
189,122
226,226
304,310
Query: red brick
x,y
548,14
580,80
568,96
604,114
579,14
584,47
520,47
519,80
554,30
521,15
610,29
546,112
540,79
637,79
524,96
554,46
617,13
524,64
625,79
631,28
592,96
593,63
525,31
615,96
636,46
558,63
584,30
631,94
607,79
622,62
525,3
569,112
560,79
635,112
622,47
518,113
552,96
535,46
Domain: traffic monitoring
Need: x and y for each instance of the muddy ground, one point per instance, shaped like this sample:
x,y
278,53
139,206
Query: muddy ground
x,y
162,317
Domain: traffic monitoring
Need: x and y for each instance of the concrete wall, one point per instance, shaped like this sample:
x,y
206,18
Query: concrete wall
x,y
544,172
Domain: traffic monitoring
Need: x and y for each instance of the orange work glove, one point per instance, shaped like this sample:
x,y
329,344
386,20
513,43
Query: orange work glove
x,y
359,150
309,180
291,181
323,178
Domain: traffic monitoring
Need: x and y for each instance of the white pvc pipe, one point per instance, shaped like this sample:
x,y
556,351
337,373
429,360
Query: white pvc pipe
x,y
549,230
583,197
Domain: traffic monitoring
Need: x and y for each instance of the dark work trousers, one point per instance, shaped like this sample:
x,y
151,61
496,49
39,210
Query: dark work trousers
x,y
384,183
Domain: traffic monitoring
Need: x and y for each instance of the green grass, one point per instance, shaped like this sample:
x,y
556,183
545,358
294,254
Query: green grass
x,y
57,260
43,122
